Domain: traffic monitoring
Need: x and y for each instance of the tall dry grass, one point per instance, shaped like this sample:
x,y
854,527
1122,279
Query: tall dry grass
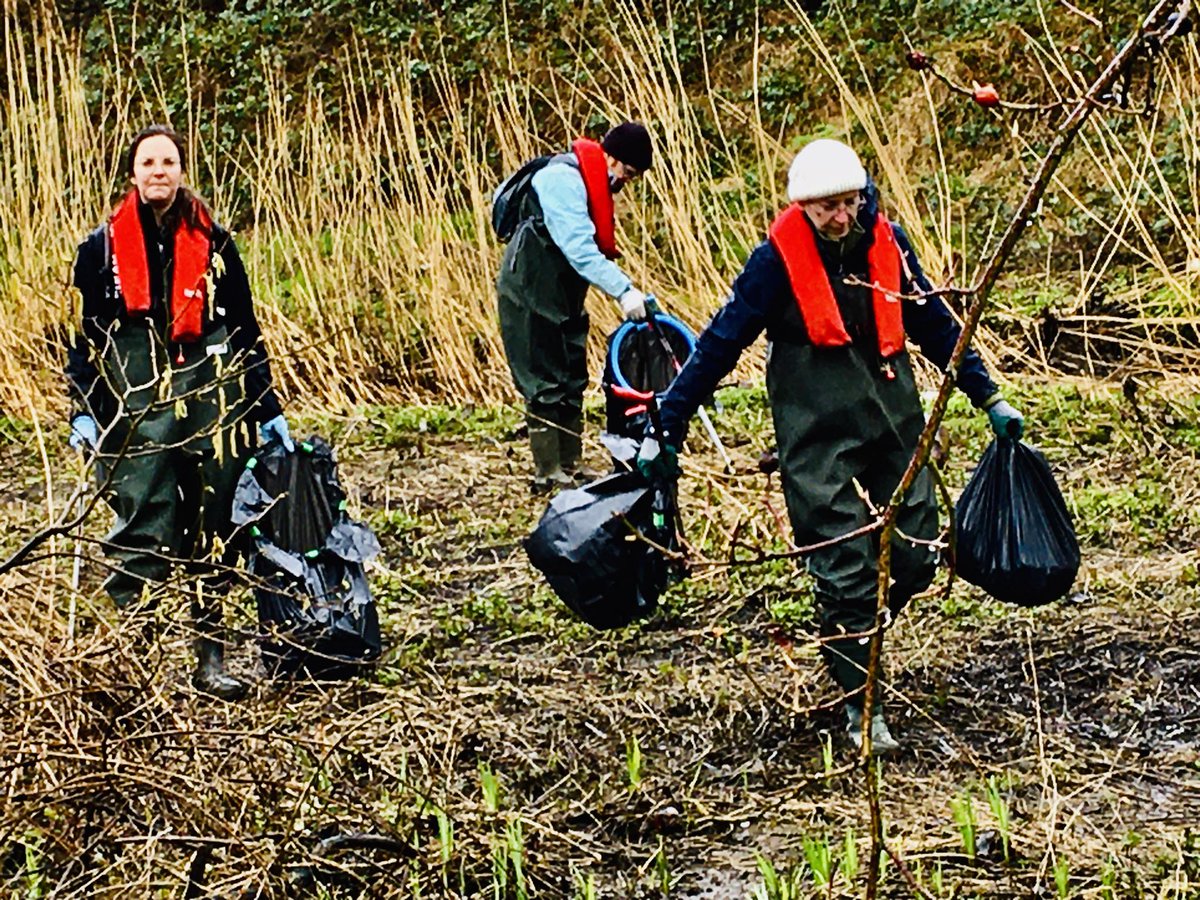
x,y
370,249
372,261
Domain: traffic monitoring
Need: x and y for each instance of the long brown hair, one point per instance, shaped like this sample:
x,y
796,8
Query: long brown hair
x,y
187,206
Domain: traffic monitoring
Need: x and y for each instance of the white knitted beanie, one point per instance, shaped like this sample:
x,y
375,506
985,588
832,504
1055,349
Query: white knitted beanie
x,y
824,168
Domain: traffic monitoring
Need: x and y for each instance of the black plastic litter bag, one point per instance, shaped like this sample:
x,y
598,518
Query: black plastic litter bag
x,y
586,546
1015,537
306,563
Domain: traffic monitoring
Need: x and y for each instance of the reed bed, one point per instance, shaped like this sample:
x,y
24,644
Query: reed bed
x,y
367,236
363,217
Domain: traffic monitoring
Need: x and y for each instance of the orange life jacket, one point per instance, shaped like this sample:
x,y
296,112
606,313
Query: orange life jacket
x,y
793,238
191,255
594,169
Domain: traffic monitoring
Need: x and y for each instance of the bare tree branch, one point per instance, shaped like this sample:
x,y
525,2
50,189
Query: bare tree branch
x,y
1155,27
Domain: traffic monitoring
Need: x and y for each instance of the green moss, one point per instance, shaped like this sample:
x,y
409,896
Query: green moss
x,y
1140,514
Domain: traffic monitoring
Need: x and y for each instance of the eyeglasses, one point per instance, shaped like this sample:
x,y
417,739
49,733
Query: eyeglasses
x,y
831,206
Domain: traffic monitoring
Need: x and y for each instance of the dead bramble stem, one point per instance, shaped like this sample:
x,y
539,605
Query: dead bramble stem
x,y
1155,27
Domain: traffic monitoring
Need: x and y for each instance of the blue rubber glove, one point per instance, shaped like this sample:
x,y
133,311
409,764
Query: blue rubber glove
x,y
277,429
655,460
1006,421
85,434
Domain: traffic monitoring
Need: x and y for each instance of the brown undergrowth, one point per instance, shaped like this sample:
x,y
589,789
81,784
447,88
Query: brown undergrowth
x,y
503,749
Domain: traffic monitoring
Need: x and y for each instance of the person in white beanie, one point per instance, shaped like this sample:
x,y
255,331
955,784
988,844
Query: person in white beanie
x,y
839,291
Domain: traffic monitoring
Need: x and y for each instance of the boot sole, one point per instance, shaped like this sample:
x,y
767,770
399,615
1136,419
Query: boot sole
x,y
230,696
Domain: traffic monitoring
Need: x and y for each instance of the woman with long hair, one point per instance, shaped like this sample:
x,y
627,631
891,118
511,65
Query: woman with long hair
x,y
168,378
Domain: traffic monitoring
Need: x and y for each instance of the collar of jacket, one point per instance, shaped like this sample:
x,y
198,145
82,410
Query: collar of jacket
x,y
845,244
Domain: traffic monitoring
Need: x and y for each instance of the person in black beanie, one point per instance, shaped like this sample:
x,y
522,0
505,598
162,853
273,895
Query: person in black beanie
x,y
564,242
629,143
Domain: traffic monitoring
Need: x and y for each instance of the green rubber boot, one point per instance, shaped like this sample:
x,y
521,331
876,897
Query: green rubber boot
x,y
882,742
570,452
210,676
547,470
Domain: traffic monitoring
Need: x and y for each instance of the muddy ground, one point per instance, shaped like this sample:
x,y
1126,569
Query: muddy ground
x,y
697,755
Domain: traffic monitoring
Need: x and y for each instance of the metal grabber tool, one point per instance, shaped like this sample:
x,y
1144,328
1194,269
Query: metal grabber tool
x,y
705,420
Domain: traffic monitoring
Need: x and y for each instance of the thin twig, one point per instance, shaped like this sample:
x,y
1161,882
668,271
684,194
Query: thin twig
x,y
1065,135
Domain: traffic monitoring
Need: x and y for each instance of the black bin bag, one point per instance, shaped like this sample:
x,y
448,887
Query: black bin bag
x,y
305,560
1015,537
586,546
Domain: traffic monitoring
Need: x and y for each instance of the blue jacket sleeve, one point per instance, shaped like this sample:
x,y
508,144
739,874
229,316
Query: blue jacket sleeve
x,y
934,330
750,306
563,198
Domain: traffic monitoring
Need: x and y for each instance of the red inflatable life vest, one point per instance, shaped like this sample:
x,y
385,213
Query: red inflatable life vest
x,y
192,251
792,235
594,169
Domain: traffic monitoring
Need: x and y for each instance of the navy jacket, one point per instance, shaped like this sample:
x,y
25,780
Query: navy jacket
x,y
762,298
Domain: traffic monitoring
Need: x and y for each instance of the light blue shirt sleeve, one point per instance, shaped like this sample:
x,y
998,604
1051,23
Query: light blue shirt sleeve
x,y
563,198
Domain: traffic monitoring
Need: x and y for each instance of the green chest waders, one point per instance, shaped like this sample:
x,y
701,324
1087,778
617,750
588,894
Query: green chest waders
x,y
842,422
173,454
544,326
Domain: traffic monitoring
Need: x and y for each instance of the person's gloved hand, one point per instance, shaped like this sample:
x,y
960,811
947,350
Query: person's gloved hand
x,y
1006,421
655,460
85,434
277,429
633,305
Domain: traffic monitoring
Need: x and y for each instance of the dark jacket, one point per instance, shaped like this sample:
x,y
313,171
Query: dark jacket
x,y
762,298
103,307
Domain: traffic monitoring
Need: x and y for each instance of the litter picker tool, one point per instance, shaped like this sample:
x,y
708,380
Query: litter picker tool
x,y
705,420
